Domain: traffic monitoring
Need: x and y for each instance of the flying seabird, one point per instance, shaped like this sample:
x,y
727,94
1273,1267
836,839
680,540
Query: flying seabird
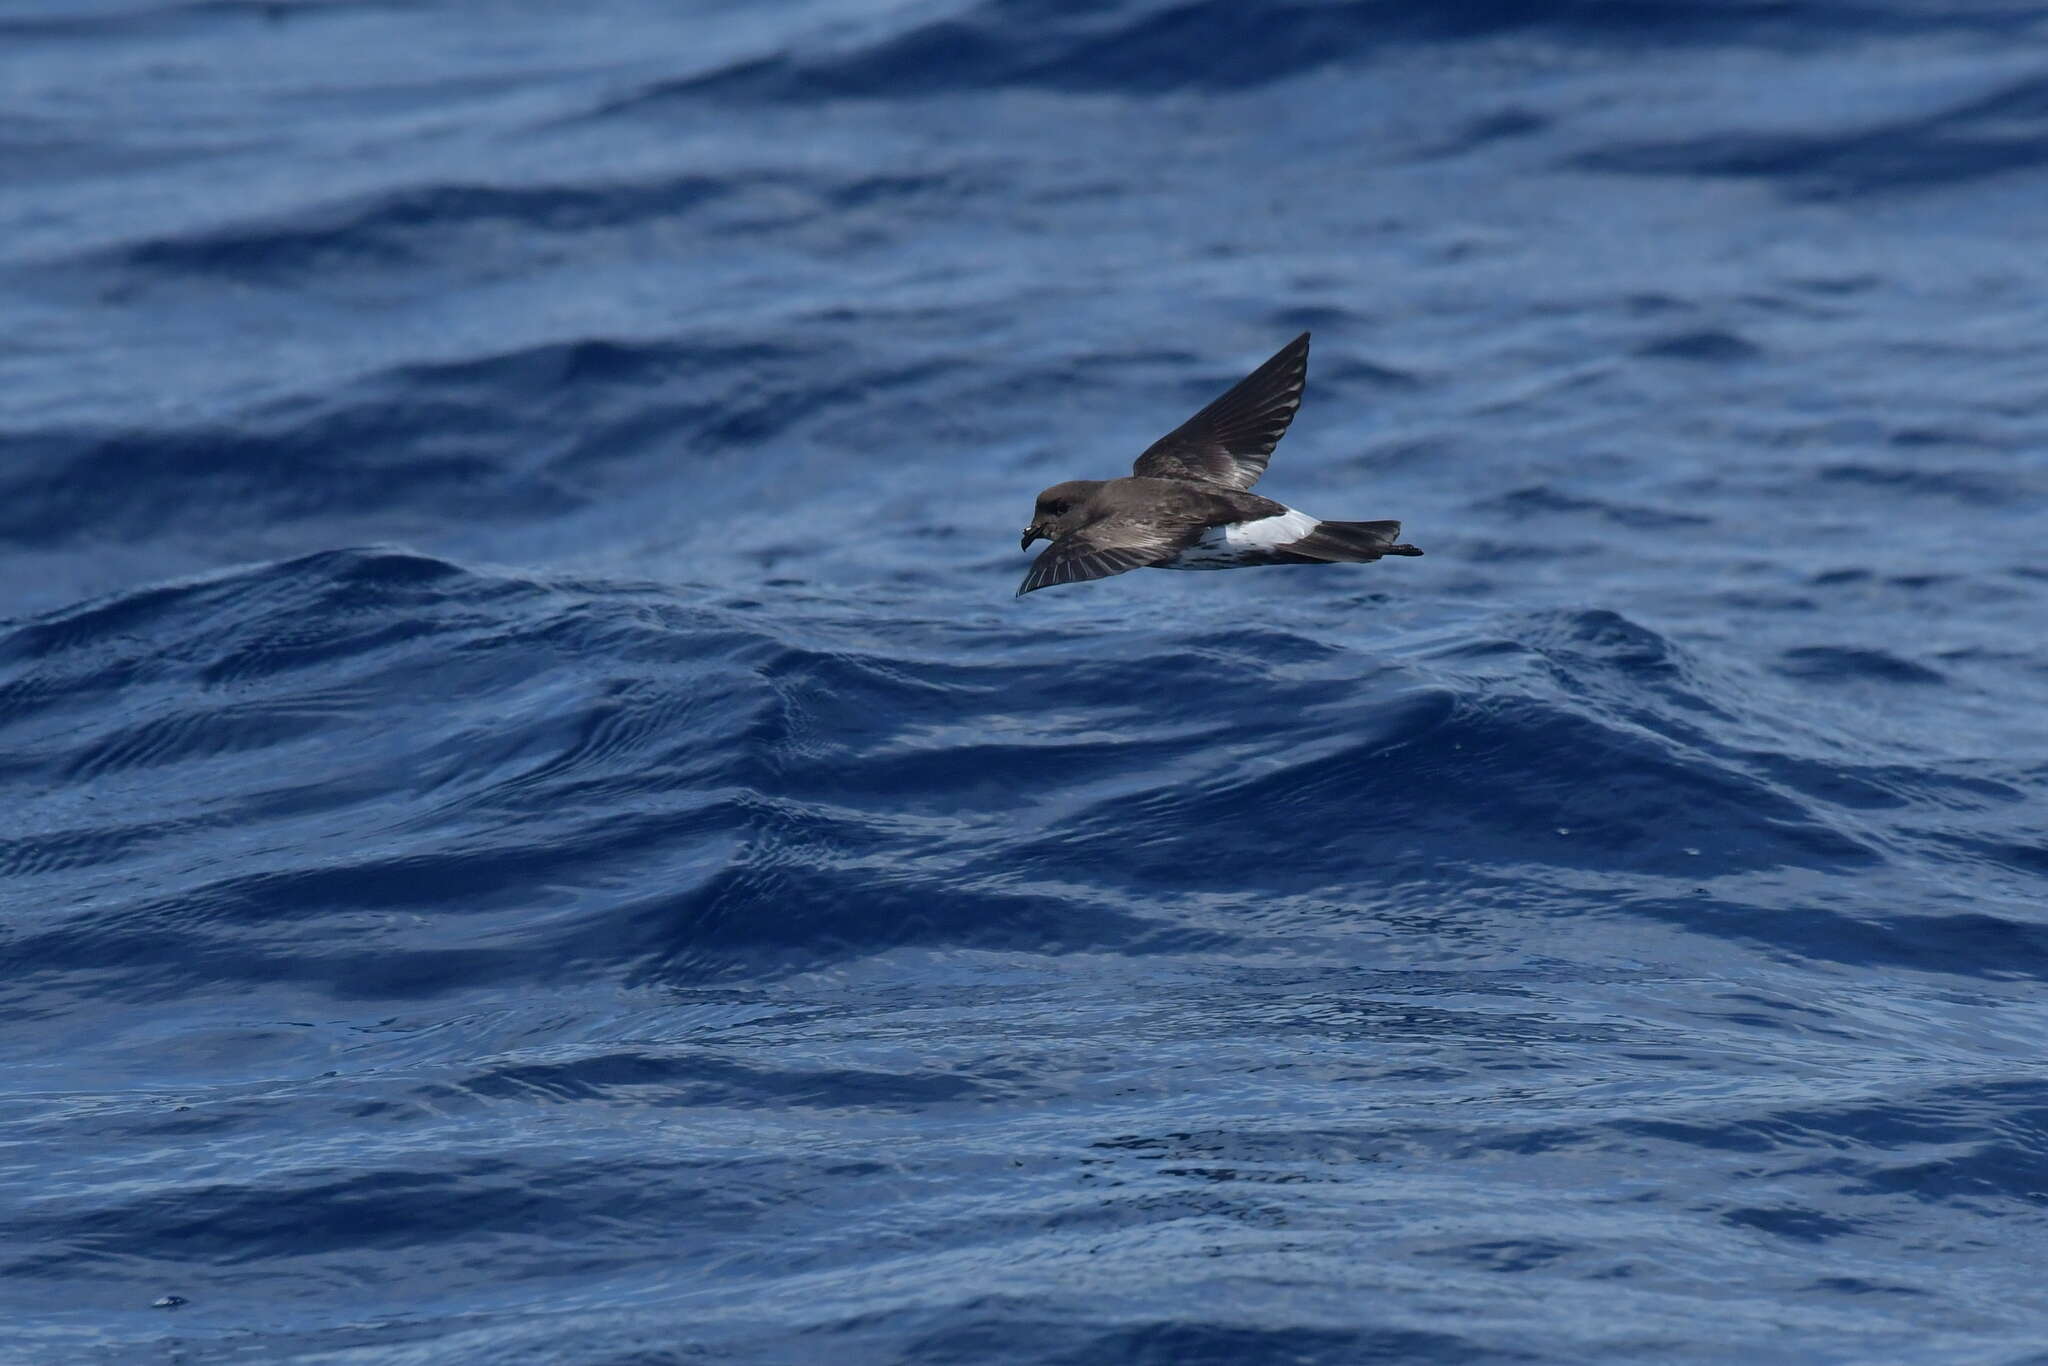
x,y
1185,505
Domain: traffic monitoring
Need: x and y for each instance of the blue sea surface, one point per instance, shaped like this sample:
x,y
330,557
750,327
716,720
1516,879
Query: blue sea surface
x,y
533,828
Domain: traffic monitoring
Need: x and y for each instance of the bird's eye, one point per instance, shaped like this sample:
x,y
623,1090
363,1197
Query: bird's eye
x,y
1055,508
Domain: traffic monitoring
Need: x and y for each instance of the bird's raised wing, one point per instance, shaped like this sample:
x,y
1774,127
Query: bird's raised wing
x,y
1100,549
1230,441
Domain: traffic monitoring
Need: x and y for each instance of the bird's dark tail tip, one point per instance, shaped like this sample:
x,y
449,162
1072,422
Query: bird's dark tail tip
x,y
1351,542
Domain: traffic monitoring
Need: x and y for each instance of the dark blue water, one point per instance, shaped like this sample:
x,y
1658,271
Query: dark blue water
x,y
533,829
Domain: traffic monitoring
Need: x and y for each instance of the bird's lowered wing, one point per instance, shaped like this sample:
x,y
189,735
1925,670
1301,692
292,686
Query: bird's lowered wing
x,y
1100,549
1230,441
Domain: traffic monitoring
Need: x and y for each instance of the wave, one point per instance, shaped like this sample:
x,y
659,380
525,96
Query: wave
x,y
528,434
551,777
1999,133
438,229
1221,46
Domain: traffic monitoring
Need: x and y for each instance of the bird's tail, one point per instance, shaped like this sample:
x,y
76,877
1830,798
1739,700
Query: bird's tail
x,y
1351,542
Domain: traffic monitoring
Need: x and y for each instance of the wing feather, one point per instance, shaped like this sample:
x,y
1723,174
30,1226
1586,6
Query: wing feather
x,y
1096,552
1230,441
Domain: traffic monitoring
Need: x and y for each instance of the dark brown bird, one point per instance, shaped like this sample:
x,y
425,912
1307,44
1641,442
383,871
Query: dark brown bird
x,y
1185,505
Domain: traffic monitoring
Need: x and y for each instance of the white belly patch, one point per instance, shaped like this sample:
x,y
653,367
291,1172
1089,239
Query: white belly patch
x,y
1236,543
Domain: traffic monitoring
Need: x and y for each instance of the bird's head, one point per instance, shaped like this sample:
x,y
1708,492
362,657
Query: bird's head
x,y
1059,510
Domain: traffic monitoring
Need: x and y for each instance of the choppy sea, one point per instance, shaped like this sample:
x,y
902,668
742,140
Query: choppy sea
x,y
534,830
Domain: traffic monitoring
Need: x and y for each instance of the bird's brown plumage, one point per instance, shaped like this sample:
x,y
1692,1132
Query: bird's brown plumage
x,y
1190,483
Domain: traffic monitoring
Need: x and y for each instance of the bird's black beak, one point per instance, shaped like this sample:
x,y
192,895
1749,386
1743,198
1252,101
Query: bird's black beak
x,y
1031,533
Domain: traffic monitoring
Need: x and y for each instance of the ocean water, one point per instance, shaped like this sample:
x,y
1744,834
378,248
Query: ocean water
x,y
533,828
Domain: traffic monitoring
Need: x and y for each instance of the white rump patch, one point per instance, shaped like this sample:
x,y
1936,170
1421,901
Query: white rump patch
x,y
1235,543
1269,533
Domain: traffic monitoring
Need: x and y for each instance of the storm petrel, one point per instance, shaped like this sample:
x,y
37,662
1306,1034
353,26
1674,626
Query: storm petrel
x,y
1185,504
